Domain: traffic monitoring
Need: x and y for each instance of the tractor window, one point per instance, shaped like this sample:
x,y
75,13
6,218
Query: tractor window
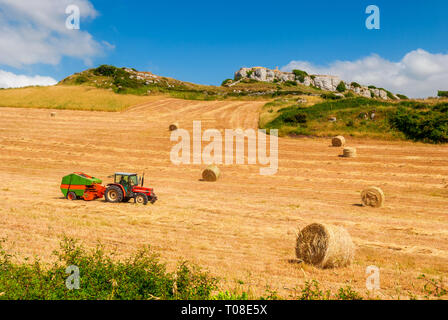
x,y
133,180
121,179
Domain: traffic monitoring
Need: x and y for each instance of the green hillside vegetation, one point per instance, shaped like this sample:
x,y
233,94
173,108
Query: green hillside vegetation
x,y
413,120
119,80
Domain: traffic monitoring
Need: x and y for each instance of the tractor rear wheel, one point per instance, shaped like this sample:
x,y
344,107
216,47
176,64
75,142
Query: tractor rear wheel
x,y
141,198
114,194
71,196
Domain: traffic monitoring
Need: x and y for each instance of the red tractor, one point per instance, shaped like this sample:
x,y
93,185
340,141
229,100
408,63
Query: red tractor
x,y
126,187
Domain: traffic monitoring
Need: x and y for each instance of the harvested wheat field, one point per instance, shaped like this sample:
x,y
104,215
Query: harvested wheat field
x,y
241,228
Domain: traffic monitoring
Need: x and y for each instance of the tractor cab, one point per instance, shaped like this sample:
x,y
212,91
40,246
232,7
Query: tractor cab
x,y
127,180
128,186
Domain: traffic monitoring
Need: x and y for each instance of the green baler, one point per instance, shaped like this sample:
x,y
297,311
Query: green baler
x,y
80,185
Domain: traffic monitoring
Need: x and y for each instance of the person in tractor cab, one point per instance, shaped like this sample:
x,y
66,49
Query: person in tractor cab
x,y
124,183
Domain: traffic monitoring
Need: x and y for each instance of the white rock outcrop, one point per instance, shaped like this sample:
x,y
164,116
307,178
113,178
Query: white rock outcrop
x,y
324,82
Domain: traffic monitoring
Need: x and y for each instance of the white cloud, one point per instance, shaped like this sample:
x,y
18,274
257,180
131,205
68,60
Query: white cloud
x,y
418,74
11,80
34,32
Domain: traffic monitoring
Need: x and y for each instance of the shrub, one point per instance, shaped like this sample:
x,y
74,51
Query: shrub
x,y
442,94
341,87
355,85
291,83
105,70
227,81
312,291
428,126
349,94
330,96
402,96
390,95
350,123
81,79
300,74
294,117
372,87
141,276
347,293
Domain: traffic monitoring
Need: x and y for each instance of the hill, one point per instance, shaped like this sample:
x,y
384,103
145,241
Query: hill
x,y
360,117
131,81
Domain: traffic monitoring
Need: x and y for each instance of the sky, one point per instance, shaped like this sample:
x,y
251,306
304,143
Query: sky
x,y
207,41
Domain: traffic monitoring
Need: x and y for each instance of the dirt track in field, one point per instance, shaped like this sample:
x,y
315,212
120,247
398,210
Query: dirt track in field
x,y
241,228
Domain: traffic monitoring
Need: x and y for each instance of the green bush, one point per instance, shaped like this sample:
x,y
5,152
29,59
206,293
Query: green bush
x,y
341,87
81,79
402,96
105,70
442,93
330,96
390,95
349,94
300,74
427,126
141,276
290,83
226,82
355,85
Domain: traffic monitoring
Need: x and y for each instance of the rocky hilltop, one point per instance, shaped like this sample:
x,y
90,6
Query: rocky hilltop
x,y
324,82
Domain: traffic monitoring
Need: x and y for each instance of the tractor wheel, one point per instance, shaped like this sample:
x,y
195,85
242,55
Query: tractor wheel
x,y
71,196
114,194
141,198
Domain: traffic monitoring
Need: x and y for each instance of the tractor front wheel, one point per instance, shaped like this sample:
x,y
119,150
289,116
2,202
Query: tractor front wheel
x,y
71,196
141,198
114,194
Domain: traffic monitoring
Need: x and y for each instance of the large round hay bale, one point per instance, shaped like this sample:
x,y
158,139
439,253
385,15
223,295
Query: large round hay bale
x,y
373,197
338,141
173,126
325,246
349,152
211,173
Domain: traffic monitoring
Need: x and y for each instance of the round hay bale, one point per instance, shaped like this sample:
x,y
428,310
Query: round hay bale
x,y
173,126
349,152
338,141
325,246
211,173
373,197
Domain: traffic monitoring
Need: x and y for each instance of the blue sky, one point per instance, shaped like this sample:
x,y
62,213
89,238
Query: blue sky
x,y
206,41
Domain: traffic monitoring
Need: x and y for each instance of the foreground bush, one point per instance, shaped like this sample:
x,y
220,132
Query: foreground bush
x,y
141,276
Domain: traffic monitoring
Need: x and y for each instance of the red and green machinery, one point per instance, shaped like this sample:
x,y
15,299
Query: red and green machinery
x,y
79,185
125,187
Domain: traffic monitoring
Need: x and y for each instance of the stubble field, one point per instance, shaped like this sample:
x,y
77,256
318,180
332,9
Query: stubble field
x,y
241,228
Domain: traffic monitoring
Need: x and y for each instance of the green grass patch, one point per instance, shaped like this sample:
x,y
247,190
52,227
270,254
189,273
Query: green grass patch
x,y
411,120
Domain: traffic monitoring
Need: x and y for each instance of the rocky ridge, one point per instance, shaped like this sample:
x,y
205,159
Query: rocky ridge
x,y
324,82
